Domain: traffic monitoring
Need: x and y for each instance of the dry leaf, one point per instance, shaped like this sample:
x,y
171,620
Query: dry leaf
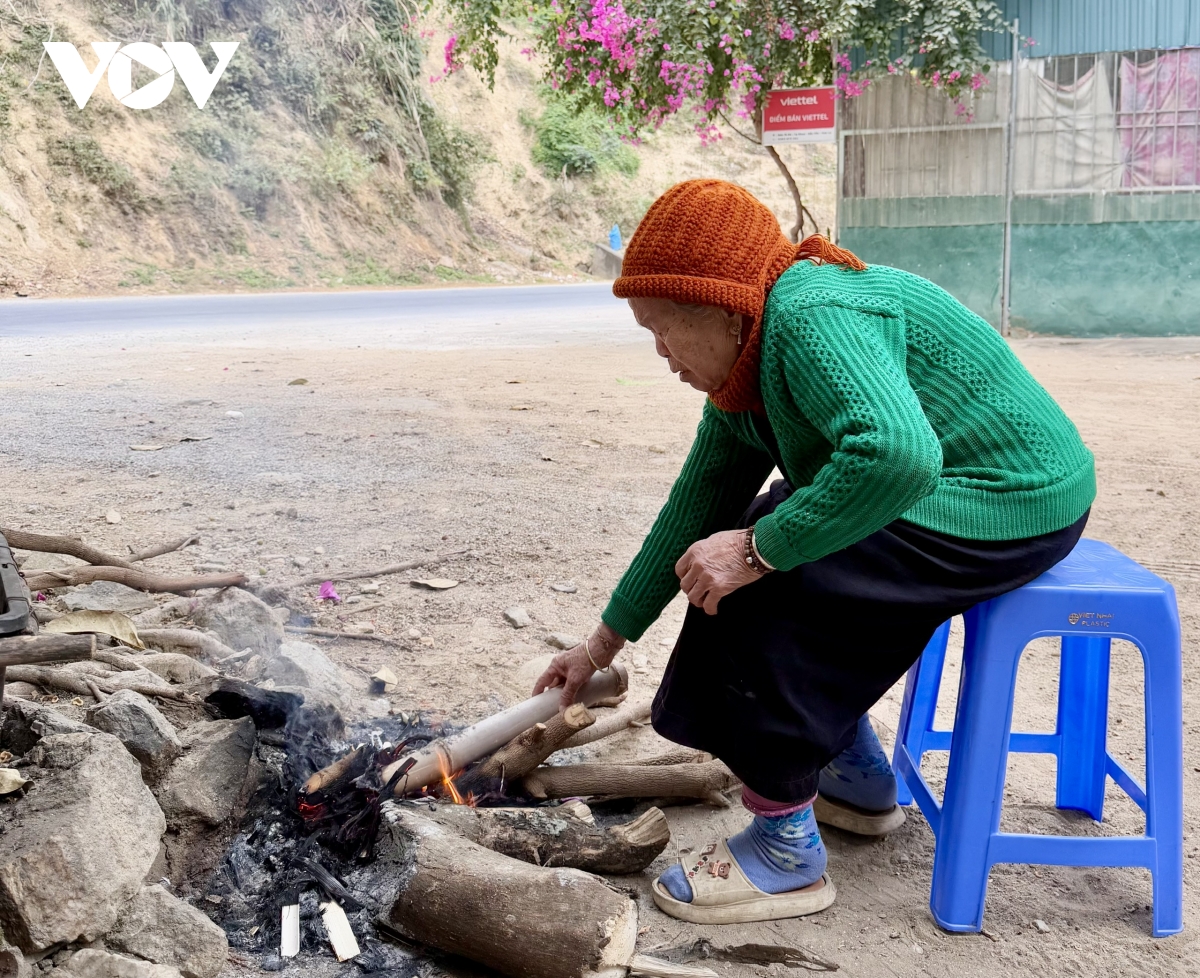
x,y
11,780
195,438
146,448
436,583
119,626
384,681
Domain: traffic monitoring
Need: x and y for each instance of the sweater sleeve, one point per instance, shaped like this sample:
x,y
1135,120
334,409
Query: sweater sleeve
x,y
719,480
846,381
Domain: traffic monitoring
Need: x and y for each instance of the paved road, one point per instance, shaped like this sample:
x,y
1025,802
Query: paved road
x,y
429,319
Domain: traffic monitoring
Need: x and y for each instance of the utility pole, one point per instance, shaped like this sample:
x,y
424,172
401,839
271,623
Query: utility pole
x,y
1010,165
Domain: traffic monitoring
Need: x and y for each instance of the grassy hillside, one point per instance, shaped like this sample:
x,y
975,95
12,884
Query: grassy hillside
x,y
325,158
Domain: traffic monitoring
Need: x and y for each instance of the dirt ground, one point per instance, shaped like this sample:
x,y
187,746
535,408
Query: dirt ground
x,y
548,465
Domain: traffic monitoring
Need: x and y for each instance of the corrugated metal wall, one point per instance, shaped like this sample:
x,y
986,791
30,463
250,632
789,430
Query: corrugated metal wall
x,y
1087,26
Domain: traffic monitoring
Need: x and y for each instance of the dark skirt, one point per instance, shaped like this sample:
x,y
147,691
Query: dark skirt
x,y
775,682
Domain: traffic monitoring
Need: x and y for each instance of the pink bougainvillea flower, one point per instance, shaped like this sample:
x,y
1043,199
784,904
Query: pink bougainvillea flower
x,y
327,593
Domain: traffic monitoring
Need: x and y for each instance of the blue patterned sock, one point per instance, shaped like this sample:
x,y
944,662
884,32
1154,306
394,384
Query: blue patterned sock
x,y
776,854
861,774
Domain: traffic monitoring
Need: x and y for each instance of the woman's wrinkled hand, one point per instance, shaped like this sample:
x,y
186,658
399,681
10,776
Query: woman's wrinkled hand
x,y
572,668
714,567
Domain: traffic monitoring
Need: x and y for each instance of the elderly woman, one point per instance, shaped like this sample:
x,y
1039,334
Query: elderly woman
x,y
924,470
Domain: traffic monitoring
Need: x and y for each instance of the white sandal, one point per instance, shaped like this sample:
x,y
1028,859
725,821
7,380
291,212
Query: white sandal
x,y
721,893
842,815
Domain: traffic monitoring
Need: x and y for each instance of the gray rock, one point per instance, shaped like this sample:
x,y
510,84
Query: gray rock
x,y
135,722
25,723
517,617
78,844
107,596
94,963
303,665
13,963
240,620
176,667
560,640
205,782
162,928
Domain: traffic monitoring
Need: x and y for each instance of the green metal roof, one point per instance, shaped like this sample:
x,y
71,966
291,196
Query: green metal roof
x,y
1089,26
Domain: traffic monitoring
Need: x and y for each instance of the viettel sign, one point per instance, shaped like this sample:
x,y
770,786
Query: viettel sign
x,y
167,60
799,115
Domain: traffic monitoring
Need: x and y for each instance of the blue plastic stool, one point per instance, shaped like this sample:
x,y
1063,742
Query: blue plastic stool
x,y
1093,596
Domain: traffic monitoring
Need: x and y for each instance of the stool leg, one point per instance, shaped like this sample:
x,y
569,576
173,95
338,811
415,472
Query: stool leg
x,y
920,704
975,779
1164,773
1083,724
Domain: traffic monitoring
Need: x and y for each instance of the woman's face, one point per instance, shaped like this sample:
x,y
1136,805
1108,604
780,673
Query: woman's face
x,y
701,349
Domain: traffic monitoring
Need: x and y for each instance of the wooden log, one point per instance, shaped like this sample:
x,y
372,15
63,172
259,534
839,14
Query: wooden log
x,y
32,649
704,782
132,577
559,837
165,548
189,640
528,749
50,544
621,719
449,755
520,920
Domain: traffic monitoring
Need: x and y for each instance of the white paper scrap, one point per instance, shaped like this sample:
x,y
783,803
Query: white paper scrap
x,y
289,940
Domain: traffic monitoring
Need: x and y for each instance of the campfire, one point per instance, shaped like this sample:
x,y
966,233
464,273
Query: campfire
x,y
382,841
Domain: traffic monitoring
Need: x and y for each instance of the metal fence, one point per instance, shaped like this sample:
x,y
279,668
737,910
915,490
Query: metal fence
x,y
1097,127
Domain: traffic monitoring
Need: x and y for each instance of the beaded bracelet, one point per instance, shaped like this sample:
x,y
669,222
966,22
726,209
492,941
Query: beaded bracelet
x,y
753,558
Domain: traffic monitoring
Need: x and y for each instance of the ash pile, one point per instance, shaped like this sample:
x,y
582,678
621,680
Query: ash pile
x,y
185,792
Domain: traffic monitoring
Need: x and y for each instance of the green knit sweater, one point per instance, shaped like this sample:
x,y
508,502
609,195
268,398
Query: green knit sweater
x,y
885,398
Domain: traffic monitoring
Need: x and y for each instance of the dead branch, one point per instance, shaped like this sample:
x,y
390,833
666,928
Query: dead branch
x,y
528,749
429,561
192,642
49,544
78,685
122,663
164,548
131,577
559,837
519,920
334,633
625,715
32,649
97,693
704,782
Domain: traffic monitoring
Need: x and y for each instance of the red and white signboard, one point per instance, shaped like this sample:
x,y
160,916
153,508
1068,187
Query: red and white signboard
x,y
799,115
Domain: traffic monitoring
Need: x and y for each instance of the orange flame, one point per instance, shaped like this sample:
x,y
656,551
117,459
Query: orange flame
x,y
448,781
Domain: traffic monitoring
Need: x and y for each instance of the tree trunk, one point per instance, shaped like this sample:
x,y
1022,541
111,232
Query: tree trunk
x,y
793,188
520,920
559,837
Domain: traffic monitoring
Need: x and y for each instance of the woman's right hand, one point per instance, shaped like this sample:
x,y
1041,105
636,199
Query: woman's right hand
x,y
572,668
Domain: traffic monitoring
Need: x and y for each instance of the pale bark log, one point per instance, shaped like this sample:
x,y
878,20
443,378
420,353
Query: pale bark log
x,y
452,754
557,837
77,684
528,749
628,713
190,641
704,782
520,920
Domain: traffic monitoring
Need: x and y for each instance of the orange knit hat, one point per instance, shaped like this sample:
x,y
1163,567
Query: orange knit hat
x,y
712,243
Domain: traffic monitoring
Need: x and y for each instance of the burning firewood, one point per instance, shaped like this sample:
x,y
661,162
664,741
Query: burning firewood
x,y
562,836
528,749
516,918
704,782
444,757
